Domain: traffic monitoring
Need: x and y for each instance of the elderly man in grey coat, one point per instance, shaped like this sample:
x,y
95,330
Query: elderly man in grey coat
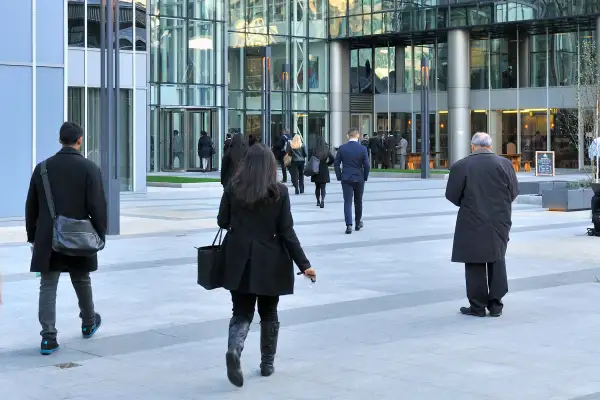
x,y
483,186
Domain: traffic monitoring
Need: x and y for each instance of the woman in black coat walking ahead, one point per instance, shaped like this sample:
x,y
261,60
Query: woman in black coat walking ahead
x,y
231,160
259,250
322,152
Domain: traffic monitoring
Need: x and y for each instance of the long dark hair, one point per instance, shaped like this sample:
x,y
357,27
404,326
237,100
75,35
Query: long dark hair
x,y
237,148
256,178
321,149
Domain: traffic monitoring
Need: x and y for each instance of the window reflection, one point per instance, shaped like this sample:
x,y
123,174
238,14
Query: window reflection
x,y
479,64
503,57
538,62
76,24
127,16
361,71
562,59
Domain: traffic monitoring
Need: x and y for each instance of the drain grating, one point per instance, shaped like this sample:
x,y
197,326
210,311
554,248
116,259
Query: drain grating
x,y
67,365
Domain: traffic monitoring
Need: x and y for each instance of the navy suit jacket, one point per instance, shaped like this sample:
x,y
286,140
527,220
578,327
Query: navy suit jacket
x,y
352,163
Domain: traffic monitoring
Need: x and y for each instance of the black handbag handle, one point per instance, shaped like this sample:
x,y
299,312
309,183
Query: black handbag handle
x,y
48,190
219,235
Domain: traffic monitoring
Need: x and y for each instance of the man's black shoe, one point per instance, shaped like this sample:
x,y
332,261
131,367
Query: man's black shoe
x,y
359,226
495,313
48,346
348,229
89,330
471,312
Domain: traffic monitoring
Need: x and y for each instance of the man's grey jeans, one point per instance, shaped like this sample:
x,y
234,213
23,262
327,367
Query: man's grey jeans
x,y
47,307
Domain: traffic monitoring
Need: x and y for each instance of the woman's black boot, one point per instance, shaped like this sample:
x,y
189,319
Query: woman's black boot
x,y
269,331
238,331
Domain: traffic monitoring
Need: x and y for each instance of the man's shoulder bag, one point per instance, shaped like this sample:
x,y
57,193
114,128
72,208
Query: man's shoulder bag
x,y
70,237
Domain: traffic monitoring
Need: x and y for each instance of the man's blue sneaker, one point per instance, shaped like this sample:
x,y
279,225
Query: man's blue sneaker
x,y
48,346
89,330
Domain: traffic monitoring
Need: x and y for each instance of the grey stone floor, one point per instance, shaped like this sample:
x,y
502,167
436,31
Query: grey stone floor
x,y
381,323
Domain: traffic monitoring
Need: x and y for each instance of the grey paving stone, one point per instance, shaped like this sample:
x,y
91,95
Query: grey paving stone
x,y
381,323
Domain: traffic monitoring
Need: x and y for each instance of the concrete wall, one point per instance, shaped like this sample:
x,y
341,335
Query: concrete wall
x,y
32,95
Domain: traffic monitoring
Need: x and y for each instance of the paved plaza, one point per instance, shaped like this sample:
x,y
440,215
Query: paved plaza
x,y
382,321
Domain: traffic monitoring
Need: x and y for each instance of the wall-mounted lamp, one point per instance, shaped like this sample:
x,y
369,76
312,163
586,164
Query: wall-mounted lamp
x,y
409,122
442,126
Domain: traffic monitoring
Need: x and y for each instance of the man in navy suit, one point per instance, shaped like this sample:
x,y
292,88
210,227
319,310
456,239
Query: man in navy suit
x,y
353,172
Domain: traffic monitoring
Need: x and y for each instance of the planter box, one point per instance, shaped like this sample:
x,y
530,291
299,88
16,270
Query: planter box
x,y
538,187
567,199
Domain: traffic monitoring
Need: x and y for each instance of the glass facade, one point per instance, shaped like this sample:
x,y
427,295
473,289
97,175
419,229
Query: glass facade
x,y
296,33
513,82
83,94
356,18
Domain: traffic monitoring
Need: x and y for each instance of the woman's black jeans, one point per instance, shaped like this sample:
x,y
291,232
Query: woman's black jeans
x,y
244,304
297,172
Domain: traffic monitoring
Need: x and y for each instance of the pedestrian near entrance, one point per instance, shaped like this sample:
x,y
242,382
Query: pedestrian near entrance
x,y
483,186
403,148
323,153
259,250
352,169
78,193
205,150
297,150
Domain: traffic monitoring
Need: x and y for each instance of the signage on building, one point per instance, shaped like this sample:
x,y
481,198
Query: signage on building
x,y
544,163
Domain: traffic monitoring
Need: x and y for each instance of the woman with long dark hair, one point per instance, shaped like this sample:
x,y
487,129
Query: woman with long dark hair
x,y
231,160
258,251
322,152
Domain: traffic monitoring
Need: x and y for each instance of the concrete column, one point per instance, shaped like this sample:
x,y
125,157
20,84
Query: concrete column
x,y
399,67
524,60
459,88
340,92
495,123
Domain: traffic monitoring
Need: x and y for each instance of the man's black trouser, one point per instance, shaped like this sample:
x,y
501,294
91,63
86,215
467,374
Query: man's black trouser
x,y
283,169
487,284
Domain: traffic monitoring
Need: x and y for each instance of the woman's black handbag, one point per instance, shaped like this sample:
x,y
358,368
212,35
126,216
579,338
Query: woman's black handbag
x,y
312,167
209,264
71,237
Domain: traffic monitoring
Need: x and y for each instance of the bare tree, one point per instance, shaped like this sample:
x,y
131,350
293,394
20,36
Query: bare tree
x,y
582,123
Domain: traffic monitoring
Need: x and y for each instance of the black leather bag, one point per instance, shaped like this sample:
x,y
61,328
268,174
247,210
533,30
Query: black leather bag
x,y
312,167
71,237
210,271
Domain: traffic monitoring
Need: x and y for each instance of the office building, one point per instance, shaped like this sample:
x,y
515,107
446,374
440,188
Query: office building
x,y
511,68
50,72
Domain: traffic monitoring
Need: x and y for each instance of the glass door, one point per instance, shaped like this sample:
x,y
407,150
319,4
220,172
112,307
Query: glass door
x,y
362,122
171,140
199,122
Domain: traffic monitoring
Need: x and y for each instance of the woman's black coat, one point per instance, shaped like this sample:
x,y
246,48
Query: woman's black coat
x,y
323,175
260,245
77,190
231,161
205,147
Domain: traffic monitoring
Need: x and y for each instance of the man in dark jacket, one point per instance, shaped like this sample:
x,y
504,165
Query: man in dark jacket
x,y
375,149
390,144
77,191
352,169
483,185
